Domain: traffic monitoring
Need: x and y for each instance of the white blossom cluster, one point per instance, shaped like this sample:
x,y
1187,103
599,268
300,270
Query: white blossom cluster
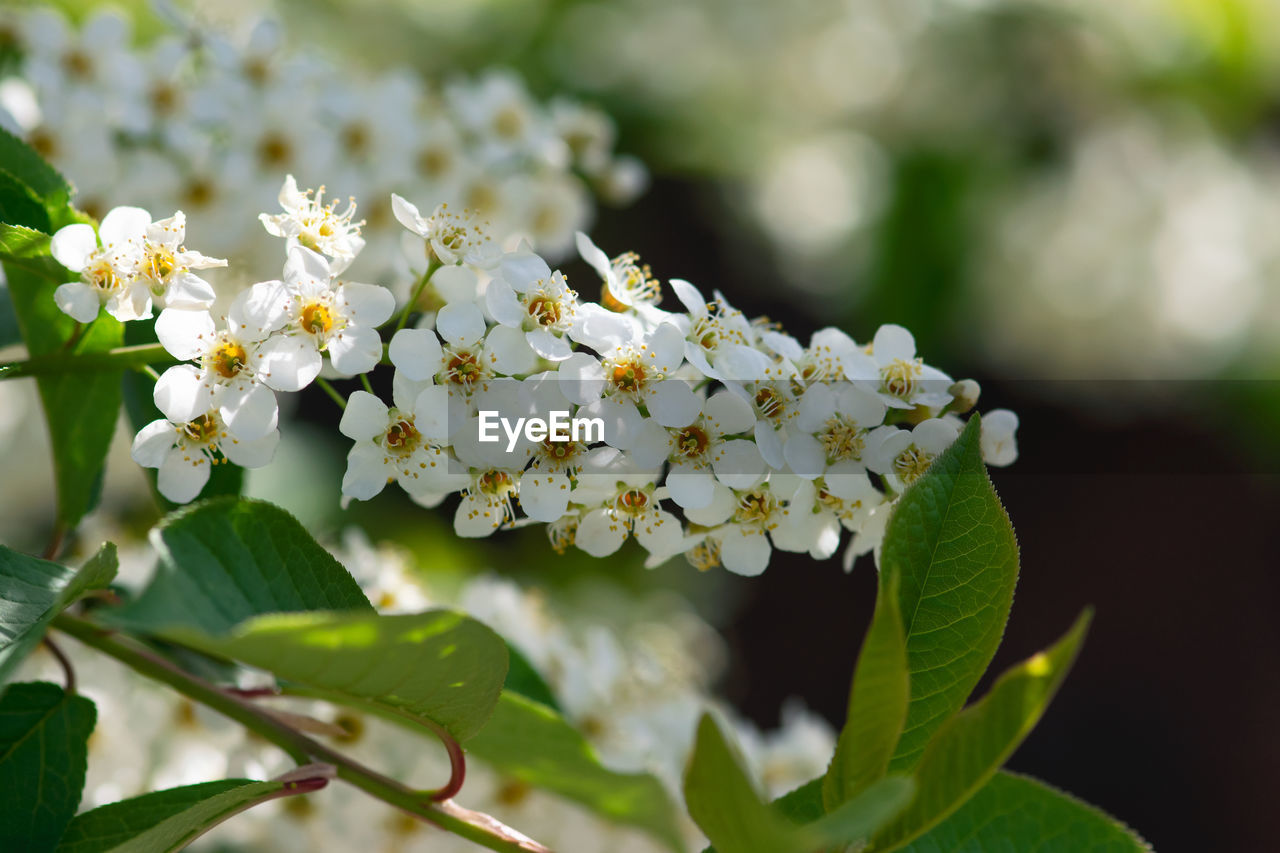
x,y
758,441
200,121
633,677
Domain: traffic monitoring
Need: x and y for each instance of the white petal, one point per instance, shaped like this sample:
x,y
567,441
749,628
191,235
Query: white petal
x,y
543,496
593,255
740,362
182,475
893,342
180,394
503,304
804,455
722,506
548,345
690,297
769,442
848,481
78,300
599,534
999,444
185,333
476,517
782,344
367,471
416,353
71,246
356,349
581,378
521,269
152,444
251,454
455,284
729,414
364,417
250,412
122,224
288,362
690,487
407,215
659,532
666,344
744,551
431,413
460,323
189,291
261,309
673,403
367,304
738,463
652,444
934,435
306,267
510,350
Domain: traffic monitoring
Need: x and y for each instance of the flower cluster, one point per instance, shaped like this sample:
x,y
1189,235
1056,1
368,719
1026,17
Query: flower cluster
x,y
198,121
716,436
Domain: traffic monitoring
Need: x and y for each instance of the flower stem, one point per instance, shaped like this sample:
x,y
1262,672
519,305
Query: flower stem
x,y
327,387
473,826
432,266
364,380
120,358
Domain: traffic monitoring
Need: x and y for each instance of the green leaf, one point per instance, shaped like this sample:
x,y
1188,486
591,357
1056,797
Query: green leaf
x,y
1016,813
225,560
33,591
438,667
804,804
24,164
80,408
972,745
44,737
725,804
19,205
522,678
877,705
856,819
950,547
164,821
533,744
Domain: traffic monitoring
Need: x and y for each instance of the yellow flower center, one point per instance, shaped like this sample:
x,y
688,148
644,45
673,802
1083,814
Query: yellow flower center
x,y
899,377
755,506
692,442
402,437
202,430
628,376
229,358
911,463
841,439
632,502
317,318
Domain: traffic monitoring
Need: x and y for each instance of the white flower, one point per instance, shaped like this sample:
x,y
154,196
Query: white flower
x,y
719,340
320,315
631,511
530,297
232,366
901,457
106,273
628,285
756,514
703,451
486,504
999,442
472,353
830,430
902,380
191,438
406,445
450,238
320,227
164,270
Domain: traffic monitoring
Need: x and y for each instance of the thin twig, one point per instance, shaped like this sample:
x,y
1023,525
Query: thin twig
x,y
328,388
68,671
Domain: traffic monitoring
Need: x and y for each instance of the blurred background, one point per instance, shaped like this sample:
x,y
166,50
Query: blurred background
x,y
1075,202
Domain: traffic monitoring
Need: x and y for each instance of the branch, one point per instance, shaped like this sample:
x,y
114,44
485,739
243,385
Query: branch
x,y
120,358
473,826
